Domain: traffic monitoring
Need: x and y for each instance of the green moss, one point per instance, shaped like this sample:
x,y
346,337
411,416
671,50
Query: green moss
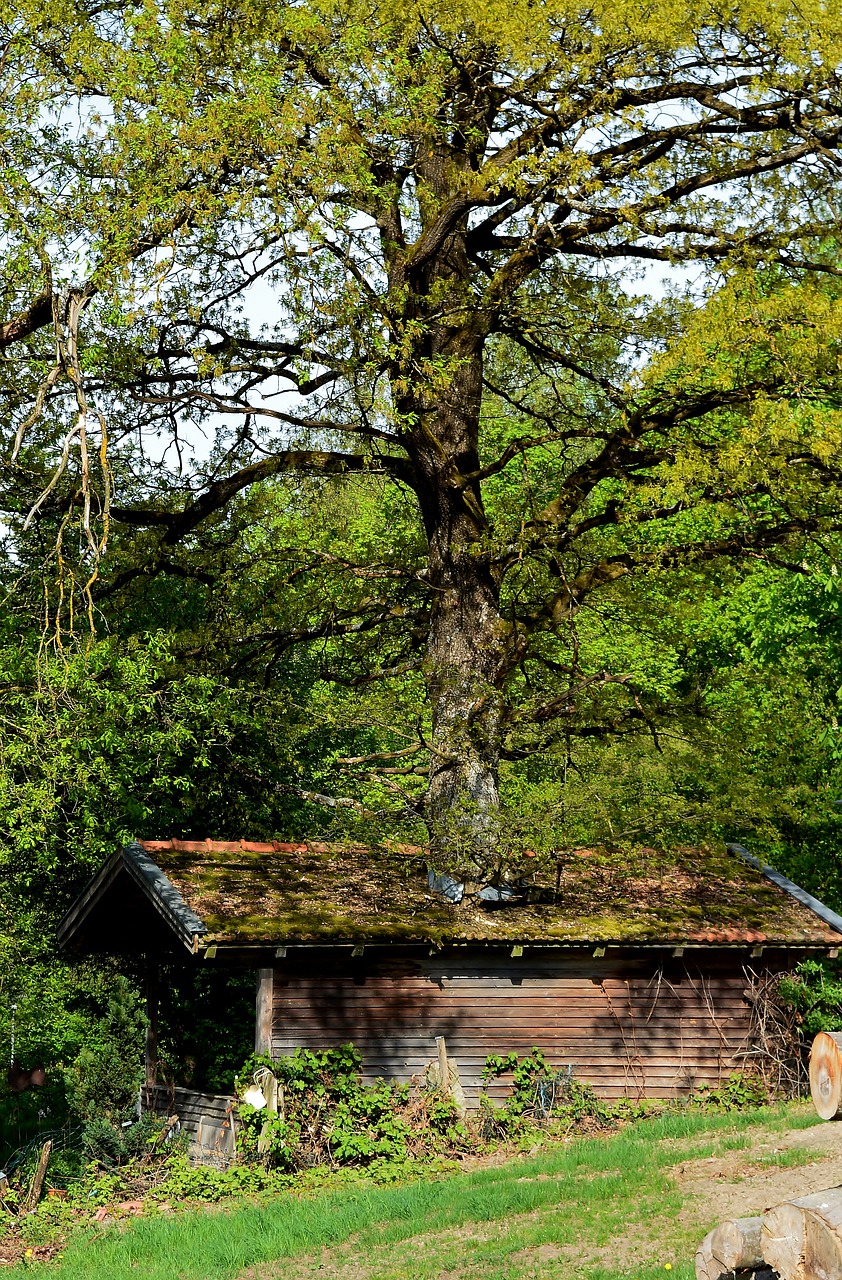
x,y
349,894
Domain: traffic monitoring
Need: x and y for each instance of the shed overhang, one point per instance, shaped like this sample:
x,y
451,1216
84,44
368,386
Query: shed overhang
x,y
130,905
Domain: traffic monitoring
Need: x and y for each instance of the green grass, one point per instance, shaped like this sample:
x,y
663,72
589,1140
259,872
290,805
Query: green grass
x,y
579,1196
788,1159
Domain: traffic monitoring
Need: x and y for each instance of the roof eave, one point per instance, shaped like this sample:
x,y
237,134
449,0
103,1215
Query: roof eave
x,y
156,887
220,945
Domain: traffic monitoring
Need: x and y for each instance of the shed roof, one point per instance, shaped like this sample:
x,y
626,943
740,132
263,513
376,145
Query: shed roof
x,y
251,893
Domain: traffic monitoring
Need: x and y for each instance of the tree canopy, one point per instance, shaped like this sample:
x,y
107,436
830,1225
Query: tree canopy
x,y
436,345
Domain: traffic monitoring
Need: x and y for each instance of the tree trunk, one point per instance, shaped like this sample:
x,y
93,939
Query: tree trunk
x,y
463,656
466,644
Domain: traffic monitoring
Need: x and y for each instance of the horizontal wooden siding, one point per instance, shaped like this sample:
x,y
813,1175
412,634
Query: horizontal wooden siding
x,y
634,1025
208,1119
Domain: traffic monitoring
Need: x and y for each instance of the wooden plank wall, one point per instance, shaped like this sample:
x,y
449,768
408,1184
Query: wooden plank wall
x,y
635,1025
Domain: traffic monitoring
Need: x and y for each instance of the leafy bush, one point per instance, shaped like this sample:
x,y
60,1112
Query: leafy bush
x,y
814,990
106,1143
184,1181
740,1092
540,1095
326,1115
104,1079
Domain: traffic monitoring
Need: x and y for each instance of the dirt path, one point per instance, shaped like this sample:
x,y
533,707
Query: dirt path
x,y
773,1168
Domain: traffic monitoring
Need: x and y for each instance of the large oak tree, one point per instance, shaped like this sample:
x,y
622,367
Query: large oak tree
x,y
343,239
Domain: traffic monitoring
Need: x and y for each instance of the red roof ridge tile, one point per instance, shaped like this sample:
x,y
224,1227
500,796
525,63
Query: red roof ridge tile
x,y
221,846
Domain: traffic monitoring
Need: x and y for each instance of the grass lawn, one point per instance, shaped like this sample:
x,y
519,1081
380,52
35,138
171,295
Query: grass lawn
x,y
596,1209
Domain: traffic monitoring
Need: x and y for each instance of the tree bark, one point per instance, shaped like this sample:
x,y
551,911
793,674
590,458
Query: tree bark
x,y
465,656
736,1244
466,639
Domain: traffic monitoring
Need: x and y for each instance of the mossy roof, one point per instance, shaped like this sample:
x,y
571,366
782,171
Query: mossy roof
x,y
249,893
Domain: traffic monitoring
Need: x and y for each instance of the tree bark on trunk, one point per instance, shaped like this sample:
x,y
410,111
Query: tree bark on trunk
x,y
466,643
466,640
463,662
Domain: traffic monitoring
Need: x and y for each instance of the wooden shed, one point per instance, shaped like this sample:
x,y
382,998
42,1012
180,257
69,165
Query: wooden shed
x,y
638,970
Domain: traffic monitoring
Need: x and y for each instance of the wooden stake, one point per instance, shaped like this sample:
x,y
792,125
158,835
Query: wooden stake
x,y
269,1085
444,1069
449,1080
38,1181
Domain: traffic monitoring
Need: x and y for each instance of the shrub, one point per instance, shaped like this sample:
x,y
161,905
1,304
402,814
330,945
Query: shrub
x,y
740,1092
814,990
326,1115
541,1096
106,1075
108,1143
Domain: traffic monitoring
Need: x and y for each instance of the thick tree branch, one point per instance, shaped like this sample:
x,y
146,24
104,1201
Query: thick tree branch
x,y
307,461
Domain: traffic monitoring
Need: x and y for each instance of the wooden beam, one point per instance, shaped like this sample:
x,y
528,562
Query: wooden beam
x,y
263,1018
153,991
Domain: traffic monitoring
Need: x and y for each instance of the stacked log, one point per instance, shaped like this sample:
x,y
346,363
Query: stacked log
x,y
802,1239
798,1240
732,1246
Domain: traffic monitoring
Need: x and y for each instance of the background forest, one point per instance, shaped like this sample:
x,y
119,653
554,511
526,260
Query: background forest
x,y
156,726
415,427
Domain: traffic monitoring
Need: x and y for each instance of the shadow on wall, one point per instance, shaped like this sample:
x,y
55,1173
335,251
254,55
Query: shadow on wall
x,y
390,1012
630,1027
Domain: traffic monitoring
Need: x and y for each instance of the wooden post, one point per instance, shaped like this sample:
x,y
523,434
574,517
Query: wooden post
x,y
448,1077
263,1018
38,1181
271,1088
153,981
443,1065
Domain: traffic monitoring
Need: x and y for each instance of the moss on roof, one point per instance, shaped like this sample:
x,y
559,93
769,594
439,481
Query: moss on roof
x,y
250,893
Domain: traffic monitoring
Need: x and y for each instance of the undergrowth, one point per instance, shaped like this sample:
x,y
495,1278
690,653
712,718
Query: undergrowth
x,y
814,990
311,1123
554,1198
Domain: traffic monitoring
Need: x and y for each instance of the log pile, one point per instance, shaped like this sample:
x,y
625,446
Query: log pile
x,y
798,1240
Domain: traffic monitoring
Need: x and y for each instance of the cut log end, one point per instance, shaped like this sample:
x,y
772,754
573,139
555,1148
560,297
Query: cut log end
x,y
782,1240
826,1074
707,1267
